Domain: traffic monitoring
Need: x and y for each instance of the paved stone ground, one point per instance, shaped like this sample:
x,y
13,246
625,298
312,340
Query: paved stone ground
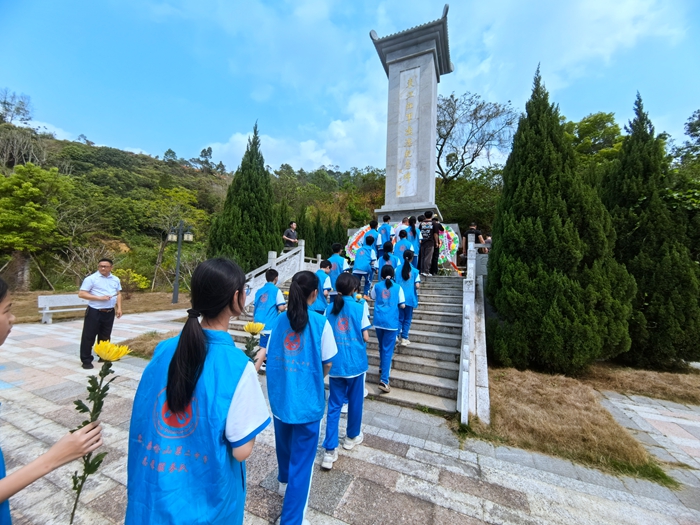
x,y
409,470
670,431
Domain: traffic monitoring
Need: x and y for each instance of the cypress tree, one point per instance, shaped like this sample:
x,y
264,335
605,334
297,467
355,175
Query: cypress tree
x,y
562,300
247,227
665,327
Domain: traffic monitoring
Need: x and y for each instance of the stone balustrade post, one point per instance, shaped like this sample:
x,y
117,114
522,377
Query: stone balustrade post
x,y
272,259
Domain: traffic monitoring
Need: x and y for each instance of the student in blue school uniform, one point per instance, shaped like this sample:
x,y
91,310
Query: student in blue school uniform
x,y
413,236
385,231
365,262
403,244
389,257
269,302
339,263
299,354
375,235
324,287
389,298
408,279
349,319
196,413
376,246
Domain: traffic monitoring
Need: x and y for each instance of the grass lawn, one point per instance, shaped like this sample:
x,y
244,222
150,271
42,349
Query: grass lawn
x,y
144,344
24,305
561,416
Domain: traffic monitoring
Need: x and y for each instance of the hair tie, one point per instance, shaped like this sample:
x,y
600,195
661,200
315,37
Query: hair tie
x,y
193,314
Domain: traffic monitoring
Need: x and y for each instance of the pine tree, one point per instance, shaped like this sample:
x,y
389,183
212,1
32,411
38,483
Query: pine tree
x,y
665,327
562,300
247,227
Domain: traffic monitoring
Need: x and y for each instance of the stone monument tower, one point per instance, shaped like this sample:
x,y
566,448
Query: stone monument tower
x,y
413,60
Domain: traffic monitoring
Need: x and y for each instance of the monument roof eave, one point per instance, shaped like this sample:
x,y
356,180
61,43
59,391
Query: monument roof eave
x,y
436,30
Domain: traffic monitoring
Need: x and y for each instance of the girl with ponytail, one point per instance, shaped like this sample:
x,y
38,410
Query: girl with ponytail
x,y
349,320
389,299
199,394
409,281
389,257
299,354
414,238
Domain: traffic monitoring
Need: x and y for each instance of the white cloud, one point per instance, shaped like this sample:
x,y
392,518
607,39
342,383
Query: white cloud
x,y
136,150
277,151
59,133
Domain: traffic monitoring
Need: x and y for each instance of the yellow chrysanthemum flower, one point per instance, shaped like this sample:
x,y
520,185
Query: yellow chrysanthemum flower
x,y
254,328
285,292
358,296
110,352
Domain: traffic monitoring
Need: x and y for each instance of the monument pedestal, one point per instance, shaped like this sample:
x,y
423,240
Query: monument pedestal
x,y
413,60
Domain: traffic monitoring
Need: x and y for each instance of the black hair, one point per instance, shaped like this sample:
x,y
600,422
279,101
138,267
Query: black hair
x,y
326,264
403,234
271,275
435,219
406,269
428,214
386,218
369,240
412,225
104,259
421,218
3,289
345,284
336,247
388,248
213,287
358,282
473,225
303,285
388,275
292,222
373,224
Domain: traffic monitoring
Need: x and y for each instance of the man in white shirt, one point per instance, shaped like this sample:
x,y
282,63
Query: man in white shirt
x,y
102,291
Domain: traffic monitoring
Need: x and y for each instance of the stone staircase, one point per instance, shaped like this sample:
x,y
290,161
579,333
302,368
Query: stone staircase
x,y
425,373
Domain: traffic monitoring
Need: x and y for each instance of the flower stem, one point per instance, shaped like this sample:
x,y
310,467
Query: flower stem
x,y
95,410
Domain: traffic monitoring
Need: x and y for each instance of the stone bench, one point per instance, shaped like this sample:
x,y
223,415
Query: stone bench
x,y
51,304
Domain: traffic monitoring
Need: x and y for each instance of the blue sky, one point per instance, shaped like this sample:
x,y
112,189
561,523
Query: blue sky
x,y
186,74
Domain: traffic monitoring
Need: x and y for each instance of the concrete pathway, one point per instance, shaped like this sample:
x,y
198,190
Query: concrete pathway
x,y
410,469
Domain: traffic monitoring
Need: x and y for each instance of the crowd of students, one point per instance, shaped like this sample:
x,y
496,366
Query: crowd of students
x,y
199,405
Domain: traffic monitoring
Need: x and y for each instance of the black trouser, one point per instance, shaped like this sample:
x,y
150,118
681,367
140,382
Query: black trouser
x,y
434,263
98,323
426,255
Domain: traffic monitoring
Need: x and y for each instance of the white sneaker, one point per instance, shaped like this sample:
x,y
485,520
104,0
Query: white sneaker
x,y
366,392
282,489
405,342
350,443
344,408
399,341
329,458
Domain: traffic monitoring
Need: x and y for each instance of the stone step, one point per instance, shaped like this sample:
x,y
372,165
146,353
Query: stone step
x,y
411,399
418,349
433,338
438,306
436,386
436,315
453,300
420,365
439,327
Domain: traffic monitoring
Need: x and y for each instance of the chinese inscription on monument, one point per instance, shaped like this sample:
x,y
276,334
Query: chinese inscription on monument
x,y
406,184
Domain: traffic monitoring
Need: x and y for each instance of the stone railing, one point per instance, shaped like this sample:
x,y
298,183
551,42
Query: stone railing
x,y
473,387
286,265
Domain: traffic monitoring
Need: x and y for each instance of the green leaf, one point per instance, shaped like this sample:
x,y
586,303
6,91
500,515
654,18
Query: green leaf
x,y
80,406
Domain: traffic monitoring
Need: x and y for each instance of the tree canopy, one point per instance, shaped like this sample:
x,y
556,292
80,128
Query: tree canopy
x,y
562,300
